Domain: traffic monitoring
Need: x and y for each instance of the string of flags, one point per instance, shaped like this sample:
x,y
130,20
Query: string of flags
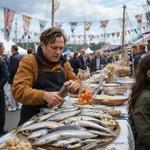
x,y
10,14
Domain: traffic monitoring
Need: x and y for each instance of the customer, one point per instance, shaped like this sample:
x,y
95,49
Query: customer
x,y
40,76
98,61
4,76
75,63
82,59
139,104
12,67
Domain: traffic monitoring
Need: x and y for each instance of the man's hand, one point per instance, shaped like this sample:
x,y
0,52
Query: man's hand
x,y
72,86
53,98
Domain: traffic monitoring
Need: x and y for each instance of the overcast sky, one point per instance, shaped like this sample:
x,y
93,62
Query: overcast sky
x,y
75,10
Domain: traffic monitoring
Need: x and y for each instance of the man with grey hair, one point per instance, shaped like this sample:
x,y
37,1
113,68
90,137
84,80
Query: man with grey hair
x,y
98,62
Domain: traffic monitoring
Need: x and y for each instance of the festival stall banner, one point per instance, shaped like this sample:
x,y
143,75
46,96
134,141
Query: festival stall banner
x,y
8,20
26,24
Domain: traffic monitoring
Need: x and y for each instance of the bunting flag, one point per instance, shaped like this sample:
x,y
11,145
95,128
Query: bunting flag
x,y
8,20
90,37
135,30
79,36
26,24
148,17
108,35
139,18
59,24
129,32
73,26
42,24
113,34
56,5
87,25
118,34
104,23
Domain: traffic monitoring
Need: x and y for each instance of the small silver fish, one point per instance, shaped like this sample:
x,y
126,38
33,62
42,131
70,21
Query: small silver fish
x,y
66,142
65,115
63,134
38,133
40,125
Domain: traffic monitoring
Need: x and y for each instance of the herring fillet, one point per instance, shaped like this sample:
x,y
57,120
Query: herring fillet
x,y
64,143
65,115
37,133
39,125
63,134
89,124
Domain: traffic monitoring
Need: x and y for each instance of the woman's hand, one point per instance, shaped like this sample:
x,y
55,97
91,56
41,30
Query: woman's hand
x,y
53,98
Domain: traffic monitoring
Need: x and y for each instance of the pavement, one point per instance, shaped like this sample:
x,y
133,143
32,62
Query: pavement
x,y
12,119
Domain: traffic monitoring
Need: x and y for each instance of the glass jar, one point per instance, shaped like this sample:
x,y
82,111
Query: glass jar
x,y
85,94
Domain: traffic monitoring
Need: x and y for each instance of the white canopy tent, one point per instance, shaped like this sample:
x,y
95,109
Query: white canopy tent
x,y
88,51
68,52
8,45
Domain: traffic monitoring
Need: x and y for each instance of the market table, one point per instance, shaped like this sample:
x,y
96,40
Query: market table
x,y
124,141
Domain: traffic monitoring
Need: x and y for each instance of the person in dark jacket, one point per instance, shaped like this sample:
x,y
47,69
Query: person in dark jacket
x,y
139,105
75,63
12,67
98,62
141,52
4,76
82,59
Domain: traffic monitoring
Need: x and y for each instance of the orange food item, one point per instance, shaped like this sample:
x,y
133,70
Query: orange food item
x,y
85,98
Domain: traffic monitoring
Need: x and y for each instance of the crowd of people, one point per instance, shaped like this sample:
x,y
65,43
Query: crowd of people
x,y
36,79
95,61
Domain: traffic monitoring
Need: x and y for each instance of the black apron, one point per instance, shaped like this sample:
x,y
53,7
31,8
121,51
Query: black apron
x,y
48,81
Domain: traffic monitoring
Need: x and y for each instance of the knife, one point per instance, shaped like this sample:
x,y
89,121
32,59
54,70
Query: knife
x,y
63,92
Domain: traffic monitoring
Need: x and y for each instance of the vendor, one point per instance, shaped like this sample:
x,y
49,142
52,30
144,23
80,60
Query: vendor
x,y
40,76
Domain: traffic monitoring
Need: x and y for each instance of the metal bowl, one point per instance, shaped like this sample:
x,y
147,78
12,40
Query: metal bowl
x,y
126,82
110,88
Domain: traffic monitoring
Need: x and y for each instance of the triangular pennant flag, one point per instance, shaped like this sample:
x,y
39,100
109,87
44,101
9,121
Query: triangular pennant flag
x,y
59,24
139,18
56,5
42,24
8,20
118,34
26,23
104,23
87,25
73,26
108,35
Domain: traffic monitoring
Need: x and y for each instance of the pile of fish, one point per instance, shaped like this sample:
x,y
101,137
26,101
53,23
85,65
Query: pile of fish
x,y
68,127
